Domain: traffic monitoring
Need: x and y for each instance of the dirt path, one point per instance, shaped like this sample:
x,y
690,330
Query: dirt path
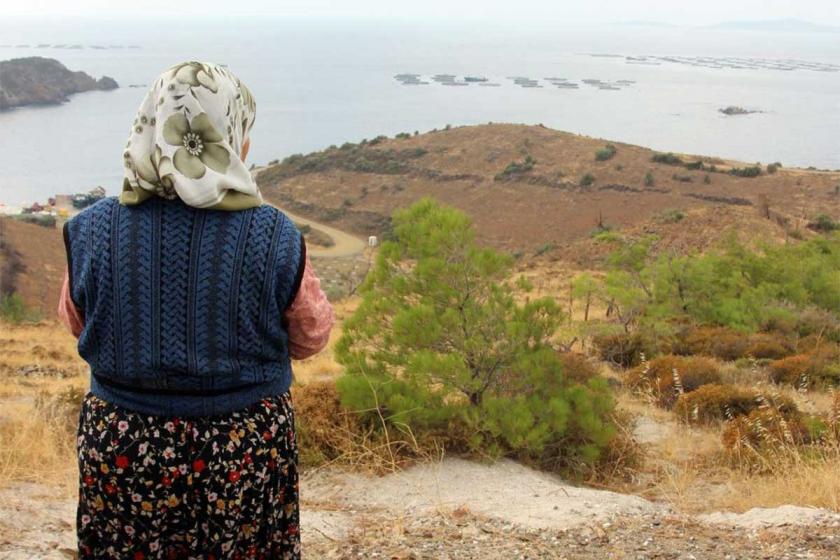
x,y
465,510
346,245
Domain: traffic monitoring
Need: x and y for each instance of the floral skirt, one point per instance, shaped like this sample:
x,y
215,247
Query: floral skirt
x,y
202,488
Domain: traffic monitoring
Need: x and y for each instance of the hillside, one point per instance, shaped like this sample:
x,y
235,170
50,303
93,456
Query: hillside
x,y
39,81
32,263
543,204
542,211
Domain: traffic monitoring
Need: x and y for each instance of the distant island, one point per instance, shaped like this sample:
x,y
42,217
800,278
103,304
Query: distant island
x,y
736,110
43,81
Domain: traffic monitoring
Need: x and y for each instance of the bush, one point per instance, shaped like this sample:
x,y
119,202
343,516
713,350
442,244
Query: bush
x,y
625,349
605,153
773,167
44,220
668,159
15,311
587,179
719,342
324,429
682,178
824,224
765,429
544,248
577,367
440,346
768,347
649,180
516,168
666,377
819,368
711,403
751,171
670,216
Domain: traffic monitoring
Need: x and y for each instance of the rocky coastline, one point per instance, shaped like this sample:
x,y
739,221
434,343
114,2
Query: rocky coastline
x,y
44,81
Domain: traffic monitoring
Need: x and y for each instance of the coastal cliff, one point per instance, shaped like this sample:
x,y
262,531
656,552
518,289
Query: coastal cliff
x,y
43,81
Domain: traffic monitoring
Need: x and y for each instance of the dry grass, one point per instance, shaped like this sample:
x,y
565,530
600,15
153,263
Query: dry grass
x,y
690,468
40,370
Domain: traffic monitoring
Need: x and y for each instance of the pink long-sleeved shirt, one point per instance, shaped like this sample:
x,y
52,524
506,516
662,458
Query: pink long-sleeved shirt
x,y
309,318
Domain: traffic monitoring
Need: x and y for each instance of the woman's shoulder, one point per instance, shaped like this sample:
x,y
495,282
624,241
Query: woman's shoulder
x,y
105,205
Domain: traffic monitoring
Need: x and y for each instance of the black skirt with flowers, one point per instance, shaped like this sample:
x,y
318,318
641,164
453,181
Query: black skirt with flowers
x,y
203,488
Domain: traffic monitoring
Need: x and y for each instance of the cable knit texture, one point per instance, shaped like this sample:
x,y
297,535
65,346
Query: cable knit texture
x,y
180,304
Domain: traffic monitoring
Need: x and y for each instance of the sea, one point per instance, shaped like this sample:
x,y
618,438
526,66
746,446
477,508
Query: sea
x,y
323,82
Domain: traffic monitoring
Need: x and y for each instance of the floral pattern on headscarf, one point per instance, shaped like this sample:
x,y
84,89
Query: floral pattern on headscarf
x,y
187,138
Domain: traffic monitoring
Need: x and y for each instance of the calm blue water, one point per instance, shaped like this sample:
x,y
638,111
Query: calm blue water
x,y
319,83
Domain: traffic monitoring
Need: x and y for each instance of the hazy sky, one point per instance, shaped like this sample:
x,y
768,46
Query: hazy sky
x,y
577,11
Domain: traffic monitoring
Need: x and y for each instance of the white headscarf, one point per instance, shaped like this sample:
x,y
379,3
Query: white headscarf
x,y
187,139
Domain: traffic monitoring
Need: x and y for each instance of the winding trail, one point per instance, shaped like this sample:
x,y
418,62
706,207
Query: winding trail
x,y
346,245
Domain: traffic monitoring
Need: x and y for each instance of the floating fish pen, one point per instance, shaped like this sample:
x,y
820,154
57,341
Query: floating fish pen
x,y
609,87
443,77
454,84
475,79
489,84
525,82
567,85
410,80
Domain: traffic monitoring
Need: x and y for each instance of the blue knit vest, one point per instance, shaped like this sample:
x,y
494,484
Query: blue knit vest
x,y
183,307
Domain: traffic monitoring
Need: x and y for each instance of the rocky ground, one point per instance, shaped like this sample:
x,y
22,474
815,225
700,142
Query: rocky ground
x,y
463,510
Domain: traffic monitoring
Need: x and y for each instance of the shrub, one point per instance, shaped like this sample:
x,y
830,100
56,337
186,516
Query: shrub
x,y
824,224
625,349
764,429
649,180
323,427
707,179
694,165
577,367
15,311
713,402
668,159
544,248
667,377
819,324
587,179
606,235
768,347
819,368
605,153
516,168
719,342
751,171
682,178
403,136
440,346
670,216
773,167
